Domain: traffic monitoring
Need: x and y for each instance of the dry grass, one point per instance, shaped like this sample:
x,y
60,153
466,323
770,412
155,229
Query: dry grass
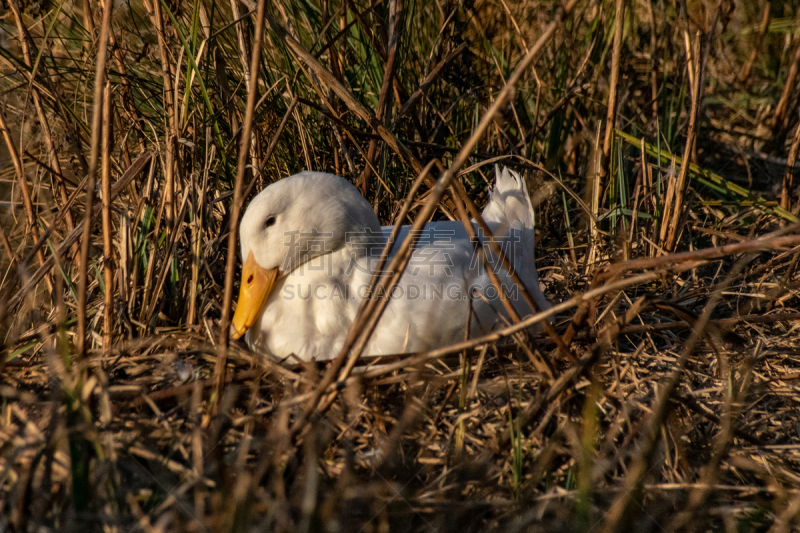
x,y
662,399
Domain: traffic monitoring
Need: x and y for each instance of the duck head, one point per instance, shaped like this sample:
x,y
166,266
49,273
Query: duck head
x,y
290,223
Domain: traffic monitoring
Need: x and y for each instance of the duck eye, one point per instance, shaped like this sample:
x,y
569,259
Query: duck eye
x,y
269,222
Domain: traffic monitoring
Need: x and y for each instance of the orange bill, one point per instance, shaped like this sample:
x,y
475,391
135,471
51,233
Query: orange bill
x,y
257,283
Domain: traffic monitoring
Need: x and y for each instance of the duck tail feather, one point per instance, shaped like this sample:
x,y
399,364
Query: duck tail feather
x,y
509,214
509,204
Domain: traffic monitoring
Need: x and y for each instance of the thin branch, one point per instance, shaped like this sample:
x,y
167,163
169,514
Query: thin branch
x,y
108,250
244,152
94,156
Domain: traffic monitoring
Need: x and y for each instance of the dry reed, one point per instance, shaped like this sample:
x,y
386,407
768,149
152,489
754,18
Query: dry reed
x,y
662,397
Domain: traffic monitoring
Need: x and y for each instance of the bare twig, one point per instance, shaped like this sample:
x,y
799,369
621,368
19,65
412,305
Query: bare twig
x,y
272,145
244,145
788,175
744,73
674,219
27,202
417,95
330,80
788,89
613,82
108,251
172,118
396,14
94,156
243,56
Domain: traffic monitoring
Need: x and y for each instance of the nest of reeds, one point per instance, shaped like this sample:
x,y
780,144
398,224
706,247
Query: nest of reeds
x,y
660,142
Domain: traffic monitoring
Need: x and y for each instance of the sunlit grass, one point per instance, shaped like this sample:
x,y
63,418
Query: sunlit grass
x,y
127,438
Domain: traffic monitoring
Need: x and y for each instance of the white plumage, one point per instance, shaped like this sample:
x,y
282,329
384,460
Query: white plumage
x,y
310,243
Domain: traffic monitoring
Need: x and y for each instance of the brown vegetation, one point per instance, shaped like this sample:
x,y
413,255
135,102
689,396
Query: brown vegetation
x,y
661,142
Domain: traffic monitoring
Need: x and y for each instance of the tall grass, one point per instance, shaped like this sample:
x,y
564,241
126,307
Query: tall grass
x,y
660,142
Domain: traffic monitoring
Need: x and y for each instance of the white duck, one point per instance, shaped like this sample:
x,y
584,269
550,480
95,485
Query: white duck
x,y
310,243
